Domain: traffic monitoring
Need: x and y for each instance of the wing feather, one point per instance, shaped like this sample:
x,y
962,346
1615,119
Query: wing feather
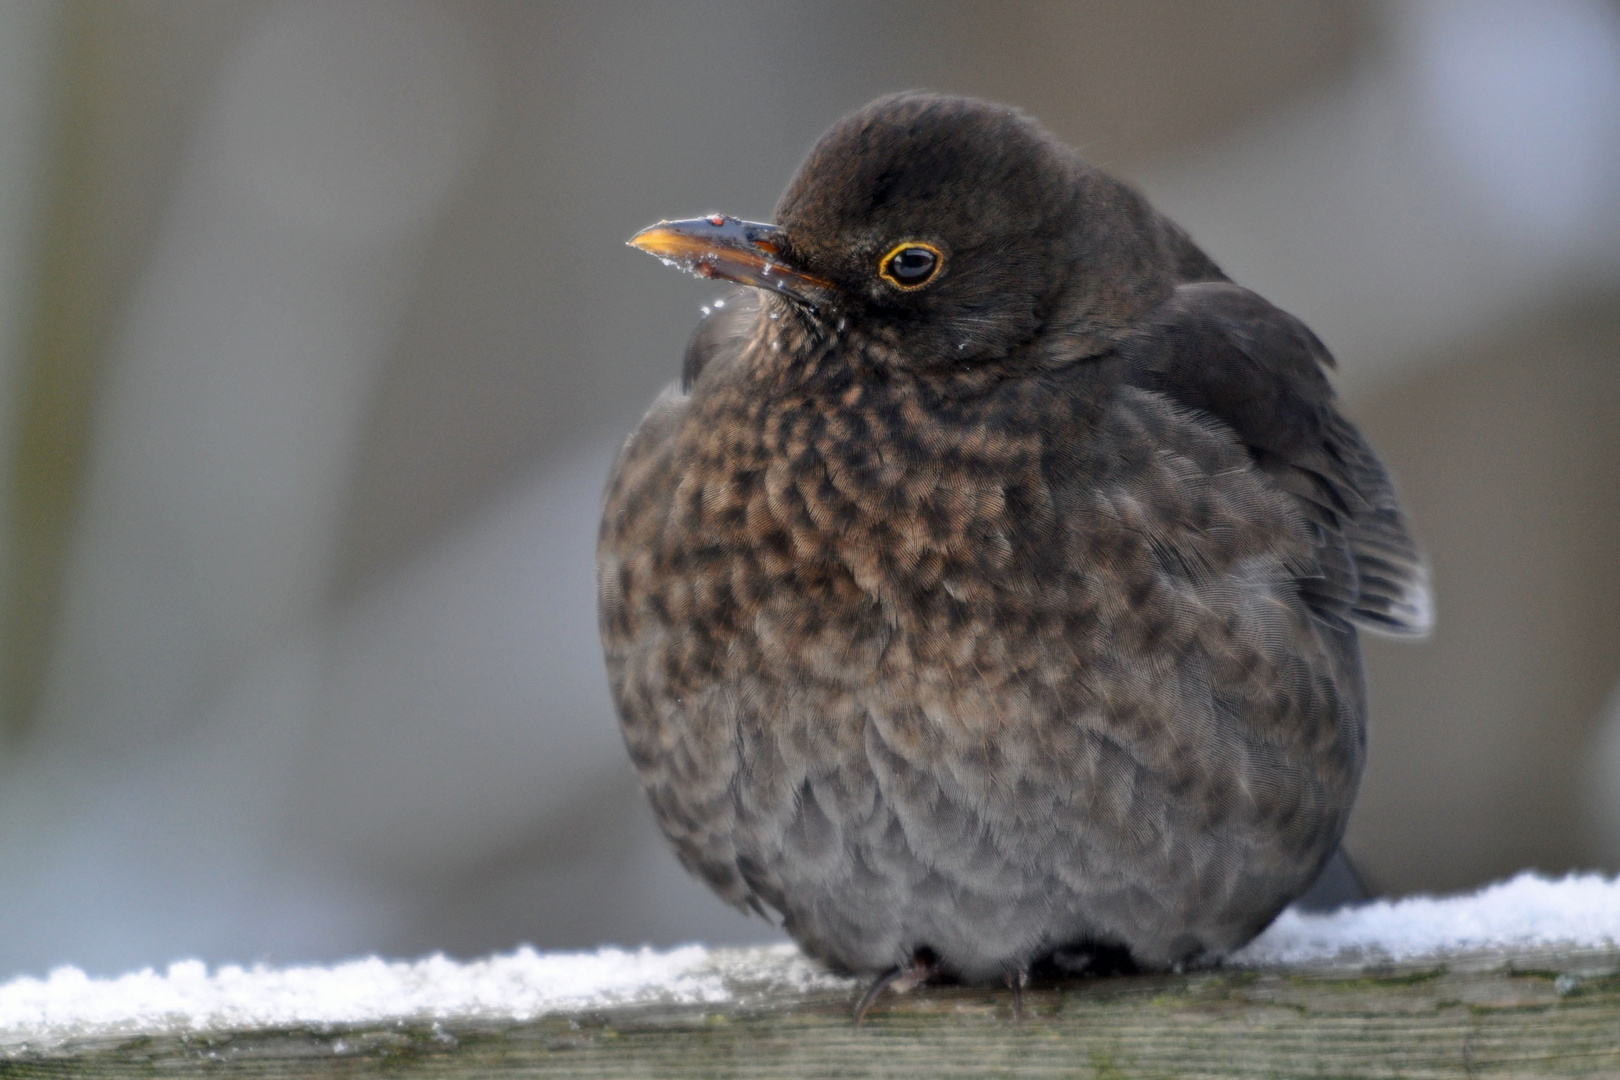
x,y
1221,350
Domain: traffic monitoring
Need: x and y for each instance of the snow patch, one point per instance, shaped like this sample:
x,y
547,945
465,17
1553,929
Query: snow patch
x,y
187,997
1579,911
1530,911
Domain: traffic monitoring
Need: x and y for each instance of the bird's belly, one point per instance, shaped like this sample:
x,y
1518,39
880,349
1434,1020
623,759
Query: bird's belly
x,y
878,830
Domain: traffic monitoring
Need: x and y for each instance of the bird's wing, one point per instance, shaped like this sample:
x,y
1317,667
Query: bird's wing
x,y
1221,350
723,332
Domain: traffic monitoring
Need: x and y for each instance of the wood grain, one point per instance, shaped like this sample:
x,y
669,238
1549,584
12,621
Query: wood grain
x,y
1482,1015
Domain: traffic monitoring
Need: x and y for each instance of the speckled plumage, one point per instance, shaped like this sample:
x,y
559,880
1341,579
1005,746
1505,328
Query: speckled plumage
x,y
1008,615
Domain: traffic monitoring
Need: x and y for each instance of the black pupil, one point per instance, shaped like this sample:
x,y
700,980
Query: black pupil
x,y
912,264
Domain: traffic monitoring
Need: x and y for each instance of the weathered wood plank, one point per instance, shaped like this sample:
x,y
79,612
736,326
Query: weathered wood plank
x,y
1482,1015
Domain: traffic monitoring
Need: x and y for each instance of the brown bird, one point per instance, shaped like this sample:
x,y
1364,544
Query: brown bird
x,y
986,595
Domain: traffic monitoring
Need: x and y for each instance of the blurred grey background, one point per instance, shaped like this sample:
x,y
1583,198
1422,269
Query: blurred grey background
x,y
317,333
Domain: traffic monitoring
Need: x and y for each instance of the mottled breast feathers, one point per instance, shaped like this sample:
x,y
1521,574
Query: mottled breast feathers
x,y
1253,369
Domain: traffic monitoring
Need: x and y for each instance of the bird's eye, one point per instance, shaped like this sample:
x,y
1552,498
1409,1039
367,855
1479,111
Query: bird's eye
x,y
911,265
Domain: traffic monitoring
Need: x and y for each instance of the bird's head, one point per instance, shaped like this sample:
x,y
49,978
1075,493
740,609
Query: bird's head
x,y
954,230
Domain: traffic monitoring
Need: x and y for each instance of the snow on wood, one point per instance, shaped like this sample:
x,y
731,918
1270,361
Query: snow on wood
x,y
1525,973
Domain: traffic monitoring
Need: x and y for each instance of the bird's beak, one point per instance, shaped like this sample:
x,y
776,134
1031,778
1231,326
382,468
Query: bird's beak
x,y
719,246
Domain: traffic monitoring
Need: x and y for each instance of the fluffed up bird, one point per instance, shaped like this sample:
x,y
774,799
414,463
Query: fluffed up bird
x,y
987,593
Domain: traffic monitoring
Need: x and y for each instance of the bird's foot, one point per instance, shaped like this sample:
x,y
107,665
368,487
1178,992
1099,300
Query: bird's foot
x,y
901,978
1017,979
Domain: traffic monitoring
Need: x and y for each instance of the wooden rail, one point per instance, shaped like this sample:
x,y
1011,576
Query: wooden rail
x,y
1541,1013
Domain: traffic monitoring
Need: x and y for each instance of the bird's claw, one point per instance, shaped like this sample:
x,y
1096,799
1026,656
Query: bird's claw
x,y
902,978
1017,979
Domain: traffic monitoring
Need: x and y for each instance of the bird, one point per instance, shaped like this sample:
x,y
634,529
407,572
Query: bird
x,y
985,597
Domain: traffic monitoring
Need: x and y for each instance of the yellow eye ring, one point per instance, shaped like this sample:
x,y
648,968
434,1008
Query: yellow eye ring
x,y
910,265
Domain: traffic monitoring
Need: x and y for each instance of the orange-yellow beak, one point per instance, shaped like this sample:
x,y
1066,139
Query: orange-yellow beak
x,y
747,252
